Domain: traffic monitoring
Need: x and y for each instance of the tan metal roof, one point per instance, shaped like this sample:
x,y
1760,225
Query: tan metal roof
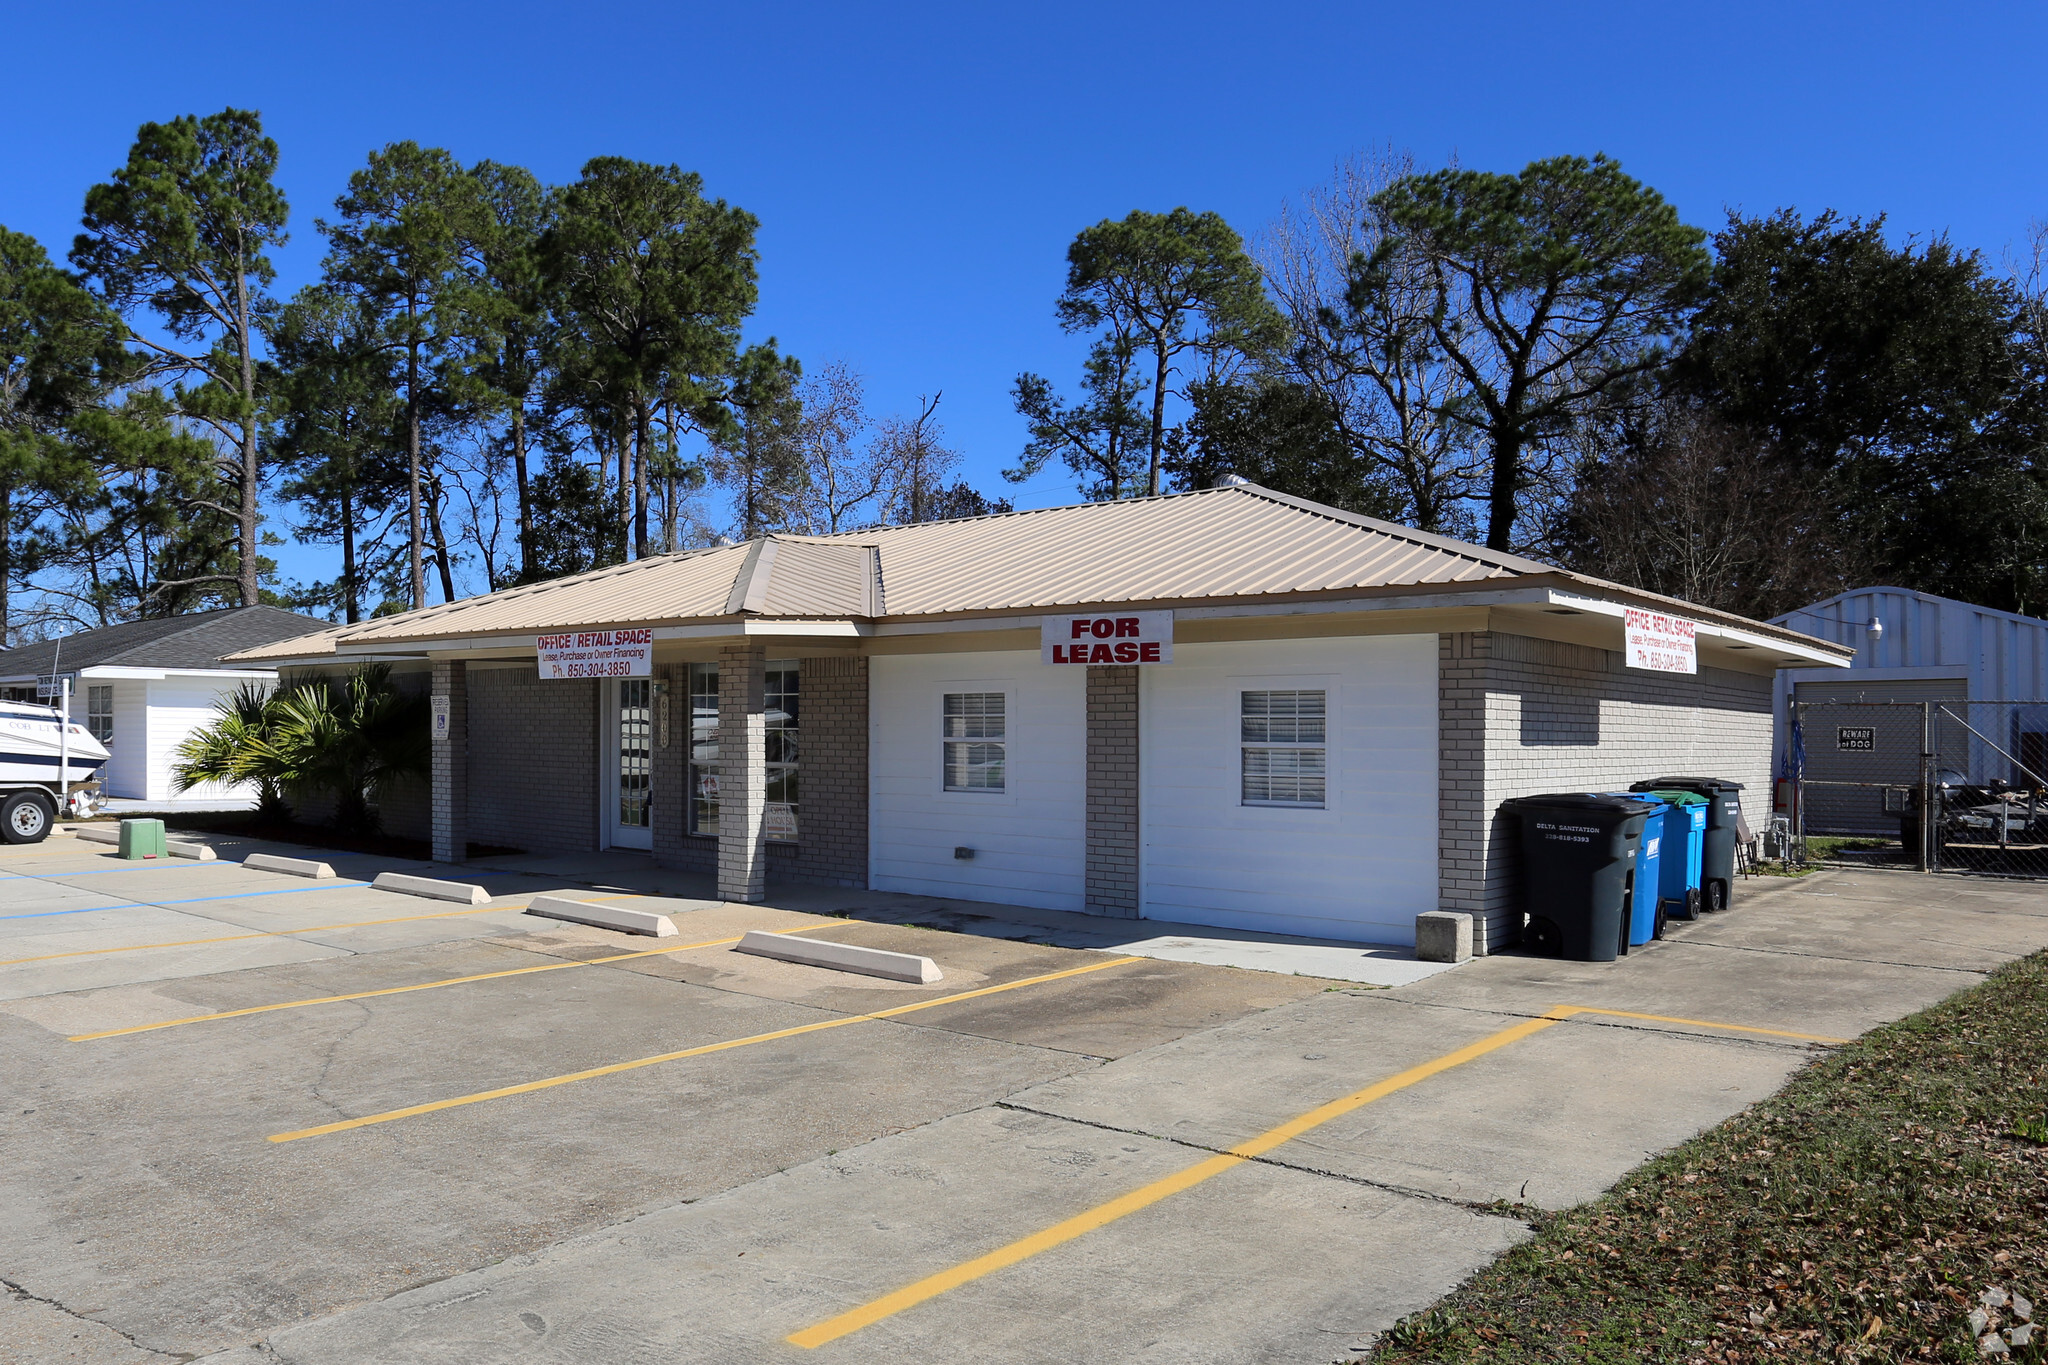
x,y
1238,541
1235,542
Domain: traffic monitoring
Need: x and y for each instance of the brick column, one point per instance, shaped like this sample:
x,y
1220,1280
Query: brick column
x,y
742,773
832,772
451,763
1112,875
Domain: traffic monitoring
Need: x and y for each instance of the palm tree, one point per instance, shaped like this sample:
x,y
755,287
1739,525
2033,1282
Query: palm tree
x,y
354,739
236,748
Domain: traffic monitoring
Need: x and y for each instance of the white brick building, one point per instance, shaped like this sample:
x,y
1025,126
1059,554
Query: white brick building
x,y
1338,708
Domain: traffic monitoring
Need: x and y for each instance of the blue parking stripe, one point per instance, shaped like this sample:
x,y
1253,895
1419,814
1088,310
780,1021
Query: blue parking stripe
x,y
190,900
103,871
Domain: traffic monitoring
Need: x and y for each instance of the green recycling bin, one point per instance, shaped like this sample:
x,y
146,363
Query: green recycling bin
x,y
1717,853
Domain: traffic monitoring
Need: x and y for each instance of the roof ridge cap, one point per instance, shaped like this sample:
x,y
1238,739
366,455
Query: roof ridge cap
x,y
1463,548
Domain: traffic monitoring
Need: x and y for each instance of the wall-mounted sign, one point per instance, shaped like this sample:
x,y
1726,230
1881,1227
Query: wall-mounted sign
x,y
1123,637
1856,739
1659,643
596,654
440,711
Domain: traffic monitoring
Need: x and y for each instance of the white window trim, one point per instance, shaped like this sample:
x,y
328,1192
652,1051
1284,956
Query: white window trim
x,y
1012,769
1331,686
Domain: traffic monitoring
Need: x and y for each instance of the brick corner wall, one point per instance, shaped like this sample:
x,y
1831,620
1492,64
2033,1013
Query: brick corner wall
x,y
1519,716
533,761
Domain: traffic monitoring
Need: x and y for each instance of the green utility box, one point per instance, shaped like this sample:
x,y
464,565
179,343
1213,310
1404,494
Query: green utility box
x,y
142,839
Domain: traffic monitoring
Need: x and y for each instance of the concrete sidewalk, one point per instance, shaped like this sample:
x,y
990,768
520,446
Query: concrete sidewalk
x,y
1300,1255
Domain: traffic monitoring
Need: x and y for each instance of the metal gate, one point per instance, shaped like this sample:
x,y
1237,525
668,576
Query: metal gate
x,y
1939,785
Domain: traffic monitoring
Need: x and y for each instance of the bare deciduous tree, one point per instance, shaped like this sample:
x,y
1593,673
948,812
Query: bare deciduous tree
x,y
1702,511
843,472
915,453
1370,352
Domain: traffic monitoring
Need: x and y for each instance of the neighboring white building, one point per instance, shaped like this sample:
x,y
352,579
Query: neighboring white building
x,y
141,687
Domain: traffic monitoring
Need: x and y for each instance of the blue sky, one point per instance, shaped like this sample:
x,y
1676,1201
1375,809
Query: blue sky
x,y
919,170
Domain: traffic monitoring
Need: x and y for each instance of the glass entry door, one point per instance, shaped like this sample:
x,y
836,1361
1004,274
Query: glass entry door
x,y
629,796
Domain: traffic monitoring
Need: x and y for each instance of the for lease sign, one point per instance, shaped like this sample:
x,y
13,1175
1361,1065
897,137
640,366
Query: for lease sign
x,y
1122,637
1660,643
596,654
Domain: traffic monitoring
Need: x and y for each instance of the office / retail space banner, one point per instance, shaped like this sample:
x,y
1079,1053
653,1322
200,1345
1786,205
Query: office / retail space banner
x,y
596,654
1660,643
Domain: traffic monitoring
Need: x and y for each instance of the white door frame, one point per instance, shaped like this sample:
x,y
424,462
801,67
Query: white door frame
x,y
610,833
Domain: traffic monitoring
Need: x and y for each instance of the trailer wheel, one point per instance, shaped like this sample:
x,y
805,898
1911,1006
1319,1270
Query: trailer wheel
x,y
25,818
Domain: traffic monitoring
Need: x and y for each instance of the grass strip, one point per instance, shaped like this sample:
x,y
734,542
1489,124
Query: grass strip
x,y
1863,1213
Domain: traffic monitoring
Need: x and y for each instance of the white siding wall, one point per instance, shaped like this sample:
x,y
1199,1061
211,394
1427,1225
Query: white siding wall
x,y
1360,869
127,772
1028,839
177,707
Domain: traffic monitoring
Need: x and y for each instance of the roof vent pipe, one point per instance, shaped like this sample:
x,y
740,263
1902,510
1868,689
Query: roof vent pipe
x,y
1233,481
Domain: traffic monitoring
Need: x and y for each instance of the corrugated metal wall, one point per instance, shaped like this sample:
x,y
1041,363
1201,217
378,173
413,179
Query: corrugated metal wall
x,y
1999,656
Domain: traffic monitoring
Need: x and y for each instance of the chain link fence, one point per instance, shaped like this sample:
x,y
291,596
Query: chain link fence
x,y
1941,786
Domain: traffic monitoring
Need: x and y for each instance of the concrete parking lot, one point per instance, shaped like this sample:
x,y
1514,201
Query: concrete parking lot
x,y
253,1117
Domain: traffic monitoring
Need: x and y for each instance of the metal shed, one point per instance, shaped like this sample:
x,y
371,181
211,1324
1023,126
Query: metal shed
x,y
1965,682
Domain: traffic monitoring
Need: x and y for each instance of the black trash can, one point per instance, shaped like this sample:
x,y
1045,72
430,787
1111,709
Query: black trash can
x,y
1724,813
1578,866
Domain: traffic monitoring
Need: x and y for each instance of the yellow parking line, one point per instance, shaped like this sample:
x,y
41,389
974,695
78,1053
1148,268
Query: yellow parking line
x,y
615,1068
432,985
1707,1023
1145,1196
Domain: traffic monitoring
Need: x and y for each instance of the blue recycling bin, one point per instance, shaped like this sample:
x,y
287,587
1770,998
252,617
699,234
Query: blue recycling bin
x,y
1685,844
1645,912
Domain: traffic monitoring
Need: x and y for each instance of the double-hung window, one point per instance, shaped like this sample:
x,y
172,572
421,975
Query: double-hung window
x,y
1283,739
99,712
975,741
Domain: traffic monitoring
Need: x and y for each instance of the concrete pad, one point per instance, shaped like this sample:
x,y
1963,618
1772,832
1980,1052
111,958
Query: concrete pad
x,y
1881,917
1330,959
405,884
1103,1014
31,1330
1518,1124
185,848
90,1011
291,867
204,1235
624,919
1832,997
840,957
1309,1270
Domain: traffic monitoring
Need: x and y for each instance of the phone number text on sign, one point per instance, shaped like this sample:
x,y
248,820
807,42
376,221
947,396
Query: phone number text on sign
x,y
596,654
1660,643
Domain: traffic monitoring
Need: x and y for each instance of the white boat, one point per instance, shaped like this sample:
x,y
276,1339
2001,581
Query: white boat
x,y
32,738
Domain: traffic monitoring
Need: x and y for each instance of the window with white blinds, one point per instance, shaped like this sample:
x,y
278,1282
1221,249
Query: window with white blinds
x,y
975,738
1284,745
